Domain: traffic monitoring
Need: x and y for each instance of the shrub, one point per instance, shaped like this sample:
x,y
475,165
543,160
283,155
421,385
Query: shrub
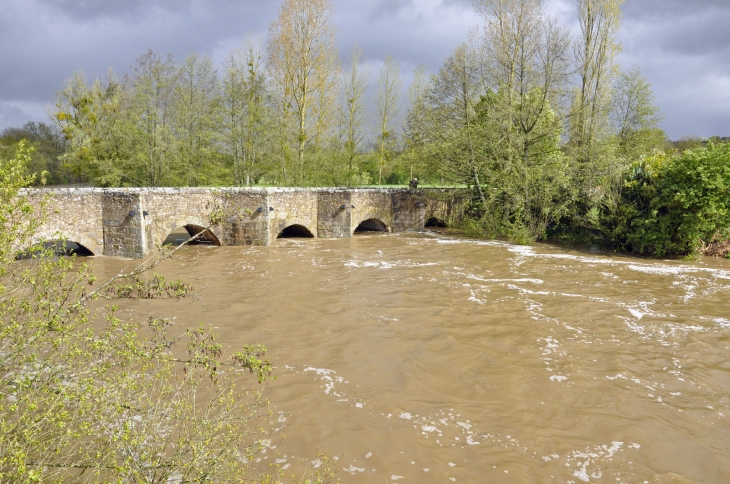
x,y
670,204
689,204
86,397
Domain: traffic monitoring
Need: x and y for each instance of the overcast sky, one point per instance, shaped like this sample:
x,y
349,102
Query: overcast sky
x,y
682,46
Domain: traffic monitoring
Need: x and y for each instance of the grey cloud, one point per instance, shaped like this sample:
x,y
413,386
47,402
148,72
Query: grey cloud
x,y
683,47
49,54
13,116
388,8
676,9
92,9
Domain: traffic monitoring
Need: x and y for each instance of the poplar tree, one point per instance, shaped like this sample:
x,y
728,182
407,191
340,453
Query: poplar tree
x,y
302,61
387,106
595,52
355,84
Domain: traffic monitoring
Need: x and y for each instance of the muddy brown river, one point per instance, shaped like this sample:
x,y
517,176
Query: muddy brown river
x,y
433,359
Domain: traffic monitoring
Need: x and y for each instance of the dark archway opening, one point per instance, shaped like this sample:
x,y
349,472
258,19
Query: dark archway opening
x,y
371,225
59,248
295,232
435,222
181,235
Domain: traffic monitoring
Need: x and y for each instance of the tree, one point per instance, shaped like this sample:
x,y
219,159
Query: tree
x,y
414,123
452,139
595,52
247,113
387,105
197,120
302,57
525,55
95,121
635,116
153,84
355,84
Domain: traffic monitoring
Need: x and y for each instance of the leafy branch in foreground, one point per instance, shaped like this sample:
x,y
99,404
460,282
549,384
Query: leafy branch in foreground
x,y
88,397
155,288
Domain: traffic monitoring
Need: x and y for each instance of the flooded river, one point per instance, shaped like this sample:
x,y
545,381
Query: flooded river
x,y
436,359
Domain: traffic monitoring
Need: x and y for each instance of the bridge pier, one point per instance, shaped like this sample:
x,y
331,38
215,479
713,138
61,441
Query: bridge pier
x,y
132,223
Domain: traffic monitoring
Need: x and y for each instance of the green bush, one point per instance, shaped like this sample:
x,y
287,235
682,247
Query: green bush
x,y
669,205
692,203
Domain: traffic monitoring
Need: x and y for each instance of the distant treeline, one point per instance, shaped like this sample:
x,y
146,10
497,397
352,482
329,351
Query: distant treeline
x,y
545,127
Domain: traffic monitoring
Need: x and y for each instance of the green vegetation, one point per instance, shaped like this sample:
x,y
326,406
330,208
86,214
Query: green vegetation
x,y
90,397
553,138
669,204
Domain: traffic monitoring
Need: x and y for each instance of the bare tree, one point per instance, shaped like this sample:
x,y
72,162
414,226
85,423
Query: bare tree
x,y
303,64
355,84
387,106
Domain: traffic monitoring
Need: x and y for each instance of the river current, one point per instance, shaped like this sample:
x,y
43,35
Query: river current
x,y
433,359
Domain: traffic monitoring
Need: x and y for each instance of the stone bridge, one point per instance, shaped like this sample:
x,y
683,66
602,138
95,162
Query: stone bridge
x,y
134,222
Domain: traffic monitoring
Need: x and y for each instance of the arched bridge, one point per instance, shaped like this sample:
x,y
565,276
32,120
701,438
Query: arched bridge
x,y
134,222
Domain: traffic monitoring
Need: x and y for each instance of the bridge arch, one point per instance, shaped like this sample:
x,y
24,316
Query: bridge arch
x,y
76,243
192,228
371,225
435,222
295,231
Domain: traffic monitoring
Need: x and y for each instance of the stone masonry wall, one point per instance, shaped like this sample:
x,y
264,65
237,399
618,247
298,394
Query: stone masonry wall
x,y
169,209
334,214
124,224
134,222
408,212
247,215
372,204
75,214
446,205
292,206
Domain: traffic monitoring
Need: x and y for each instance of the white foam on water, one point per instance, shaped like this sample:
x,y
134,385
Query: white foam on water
x,y
473,298
485,279
396,478
558,378
352,469
386,264
405,415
